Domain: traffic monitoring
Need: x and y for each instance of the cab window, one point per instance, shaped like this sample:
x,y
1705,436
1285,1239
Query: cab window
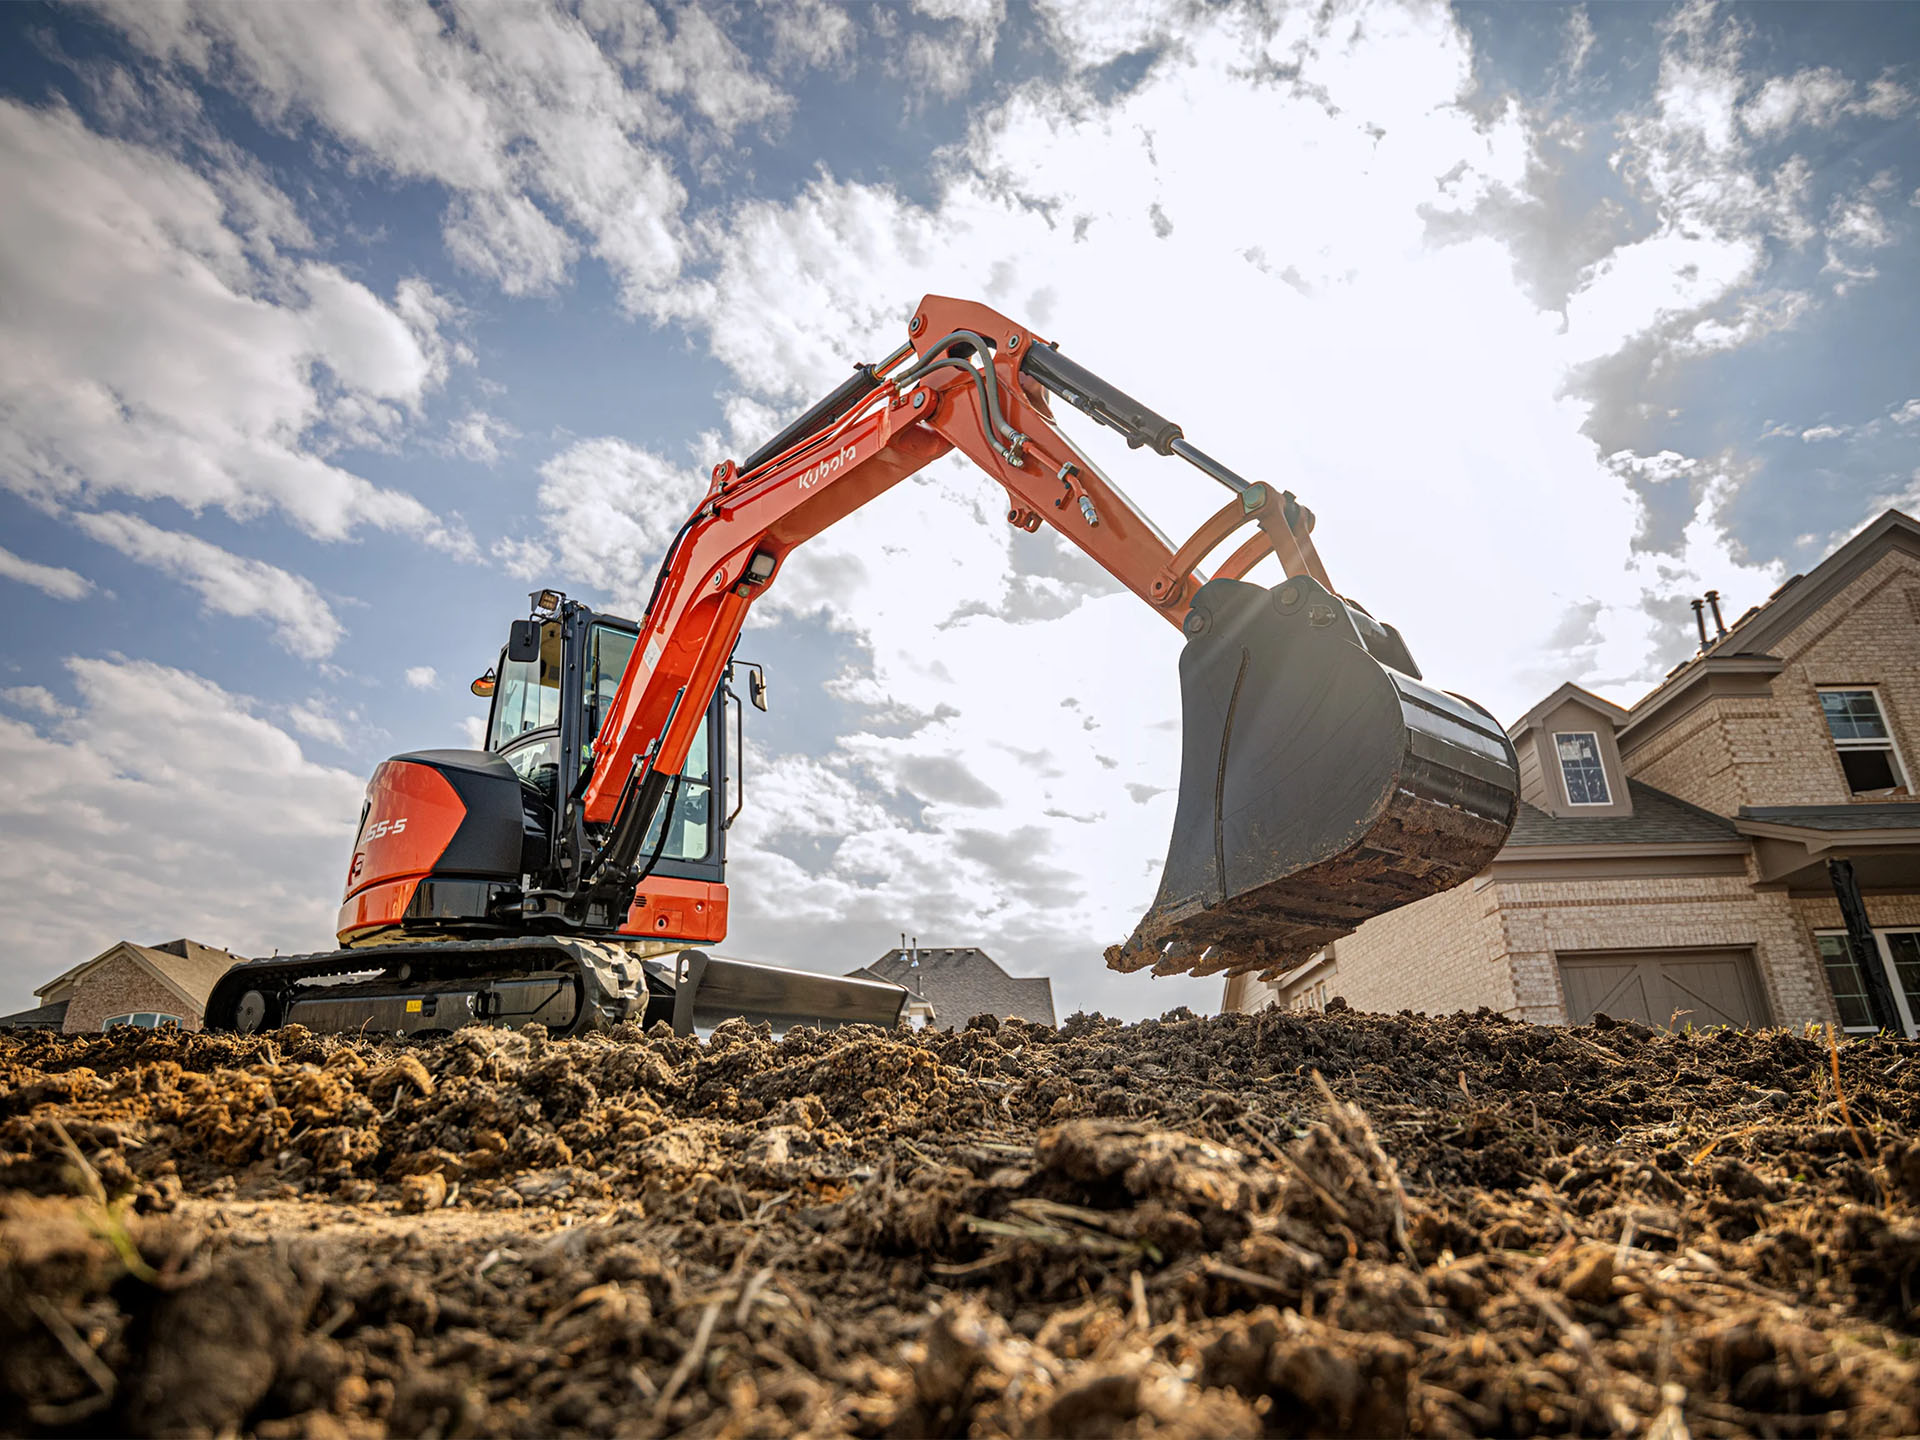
x,y
527,695
609,648
690,825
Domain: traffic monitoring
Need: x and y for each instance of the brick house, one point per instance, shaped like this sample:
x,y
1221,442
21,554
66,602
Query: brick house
x,y
950,986
129,984
1741,847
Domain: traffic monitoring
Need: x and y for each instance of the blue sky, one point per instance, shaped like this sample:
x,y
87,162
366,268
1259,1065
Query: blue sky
x,y
326,332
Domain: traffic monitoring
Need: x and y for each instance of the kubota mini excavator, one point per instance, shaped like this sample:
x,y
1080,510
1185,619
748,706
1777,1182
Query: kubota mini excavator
x,y
569,873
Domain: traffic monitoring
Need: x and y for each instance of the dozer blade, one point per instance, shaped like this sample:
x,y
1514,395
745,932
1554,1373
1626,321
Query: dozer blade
x,y
1318,786
707,989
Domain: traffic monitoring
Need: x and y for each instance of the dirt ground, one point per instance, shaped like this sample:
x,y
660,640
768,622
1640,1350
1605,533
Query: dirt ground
x,y
1278,1225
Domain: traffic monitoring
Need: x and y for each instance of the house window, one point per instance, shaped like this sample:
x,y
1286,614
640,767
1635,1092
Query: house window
x,y
144,1019
1860,734
1898,954
1848,985
1582,768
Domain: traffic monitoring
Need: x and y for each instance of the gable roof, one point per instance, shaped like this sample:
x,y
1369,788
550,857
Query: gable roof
x,y
186,967
1657,819
1767,623
1753,634
1566,692
963,982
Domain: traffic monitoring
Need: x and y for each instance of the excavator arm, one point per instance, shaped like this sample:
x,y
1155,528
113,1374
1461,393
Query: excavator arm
x,y
1292,697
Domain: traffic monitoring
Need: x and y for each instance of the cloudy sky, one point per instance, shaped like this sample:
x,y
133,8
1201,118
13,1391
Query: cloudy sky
x,y
327,331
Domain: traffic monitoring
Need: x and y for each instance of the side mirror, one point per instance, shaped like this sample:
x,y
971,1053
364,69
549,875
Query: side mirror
x,y
523,642
757,690
483,687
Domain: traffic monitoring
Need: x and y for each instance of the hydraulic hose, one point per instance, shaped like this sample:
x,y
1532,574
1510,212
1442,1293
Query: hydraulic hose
x,y
985,380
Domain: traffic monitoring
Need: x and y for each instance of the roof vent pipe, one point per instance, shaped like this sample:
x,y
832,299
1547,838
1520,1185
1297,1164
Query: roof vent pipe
x,y
1713,601
1700,619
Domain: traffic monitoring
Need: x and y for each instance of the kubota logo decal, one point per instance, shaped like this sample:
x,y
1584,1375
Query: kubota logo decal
x,y
832,465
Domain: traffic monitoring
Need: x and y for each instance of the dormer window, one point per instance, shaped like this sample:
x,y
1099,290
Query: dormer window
x,y
1581,767
1861,737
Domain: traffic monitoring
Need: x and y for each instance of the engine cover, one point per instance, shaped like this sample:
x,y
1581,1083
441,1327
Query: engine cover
x,y
445,835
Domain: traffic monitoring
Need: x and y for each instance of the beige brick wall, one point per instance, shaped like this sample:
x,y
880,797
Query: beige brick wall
x,y
1437,955
118,986
1774,749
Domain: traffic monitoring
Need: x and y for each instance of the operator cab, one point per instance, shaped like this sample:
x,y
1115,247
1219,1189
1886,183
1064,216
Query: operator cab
x,y
493,841
524,726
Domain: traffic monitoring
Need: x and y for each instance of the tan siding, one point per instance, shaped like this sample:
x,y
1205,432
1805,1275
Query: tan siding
x,y
1532,784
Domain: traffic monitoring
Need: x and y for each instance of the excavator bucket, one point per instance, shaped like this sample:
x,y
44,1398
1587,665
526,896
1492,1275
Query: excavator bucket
x,y
1321,784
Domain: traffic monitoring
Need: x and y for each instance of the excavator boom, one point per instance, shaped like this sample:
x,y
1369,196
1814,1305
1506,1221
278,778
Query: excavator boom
x,y
1322,782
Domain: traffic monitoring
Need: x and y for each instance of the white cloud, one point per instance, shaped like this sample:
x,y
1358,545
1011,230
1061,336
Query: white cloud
x,y
422,677
811,34
312,719
1579,41
1823,432
508,240
1820,97
1908,413
1856,228
37,699
155,771
610,509
1815,96
1089,36
478,436
227,584
945,59
147,349
56,580
524,113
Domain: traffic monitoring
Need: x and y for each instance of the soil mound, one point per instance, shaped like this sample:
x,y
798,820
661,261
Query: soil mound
x,y
1287,1224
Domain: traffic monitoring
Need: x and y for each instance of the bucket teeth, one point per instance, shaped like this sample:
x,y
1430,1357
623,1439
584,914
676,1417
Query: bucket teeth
x,y
1318,787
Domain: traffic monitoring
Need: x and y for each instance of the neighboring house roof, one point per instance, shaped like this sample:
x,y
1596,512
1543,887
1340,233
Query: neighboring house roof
x,y
186,967
50,1017
1657,819
1837,817
964,982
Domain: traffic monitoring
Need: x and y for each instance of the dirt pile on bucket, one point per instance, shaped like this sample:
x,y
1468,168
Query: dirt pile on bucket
x,y
1286,1224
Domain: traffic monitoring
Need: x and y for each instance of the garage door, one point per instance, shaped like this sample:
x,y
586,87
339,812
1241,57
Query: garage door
x,y
1662,987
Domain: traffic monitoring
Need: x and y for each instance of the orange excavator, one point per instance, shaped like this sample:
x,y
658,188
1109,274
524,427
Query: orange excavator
x,y
571,872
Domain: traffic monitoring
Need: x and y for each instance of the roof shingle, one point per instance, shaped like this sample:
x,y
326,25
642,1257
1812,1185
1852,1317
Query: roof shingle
x,y
1658,819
